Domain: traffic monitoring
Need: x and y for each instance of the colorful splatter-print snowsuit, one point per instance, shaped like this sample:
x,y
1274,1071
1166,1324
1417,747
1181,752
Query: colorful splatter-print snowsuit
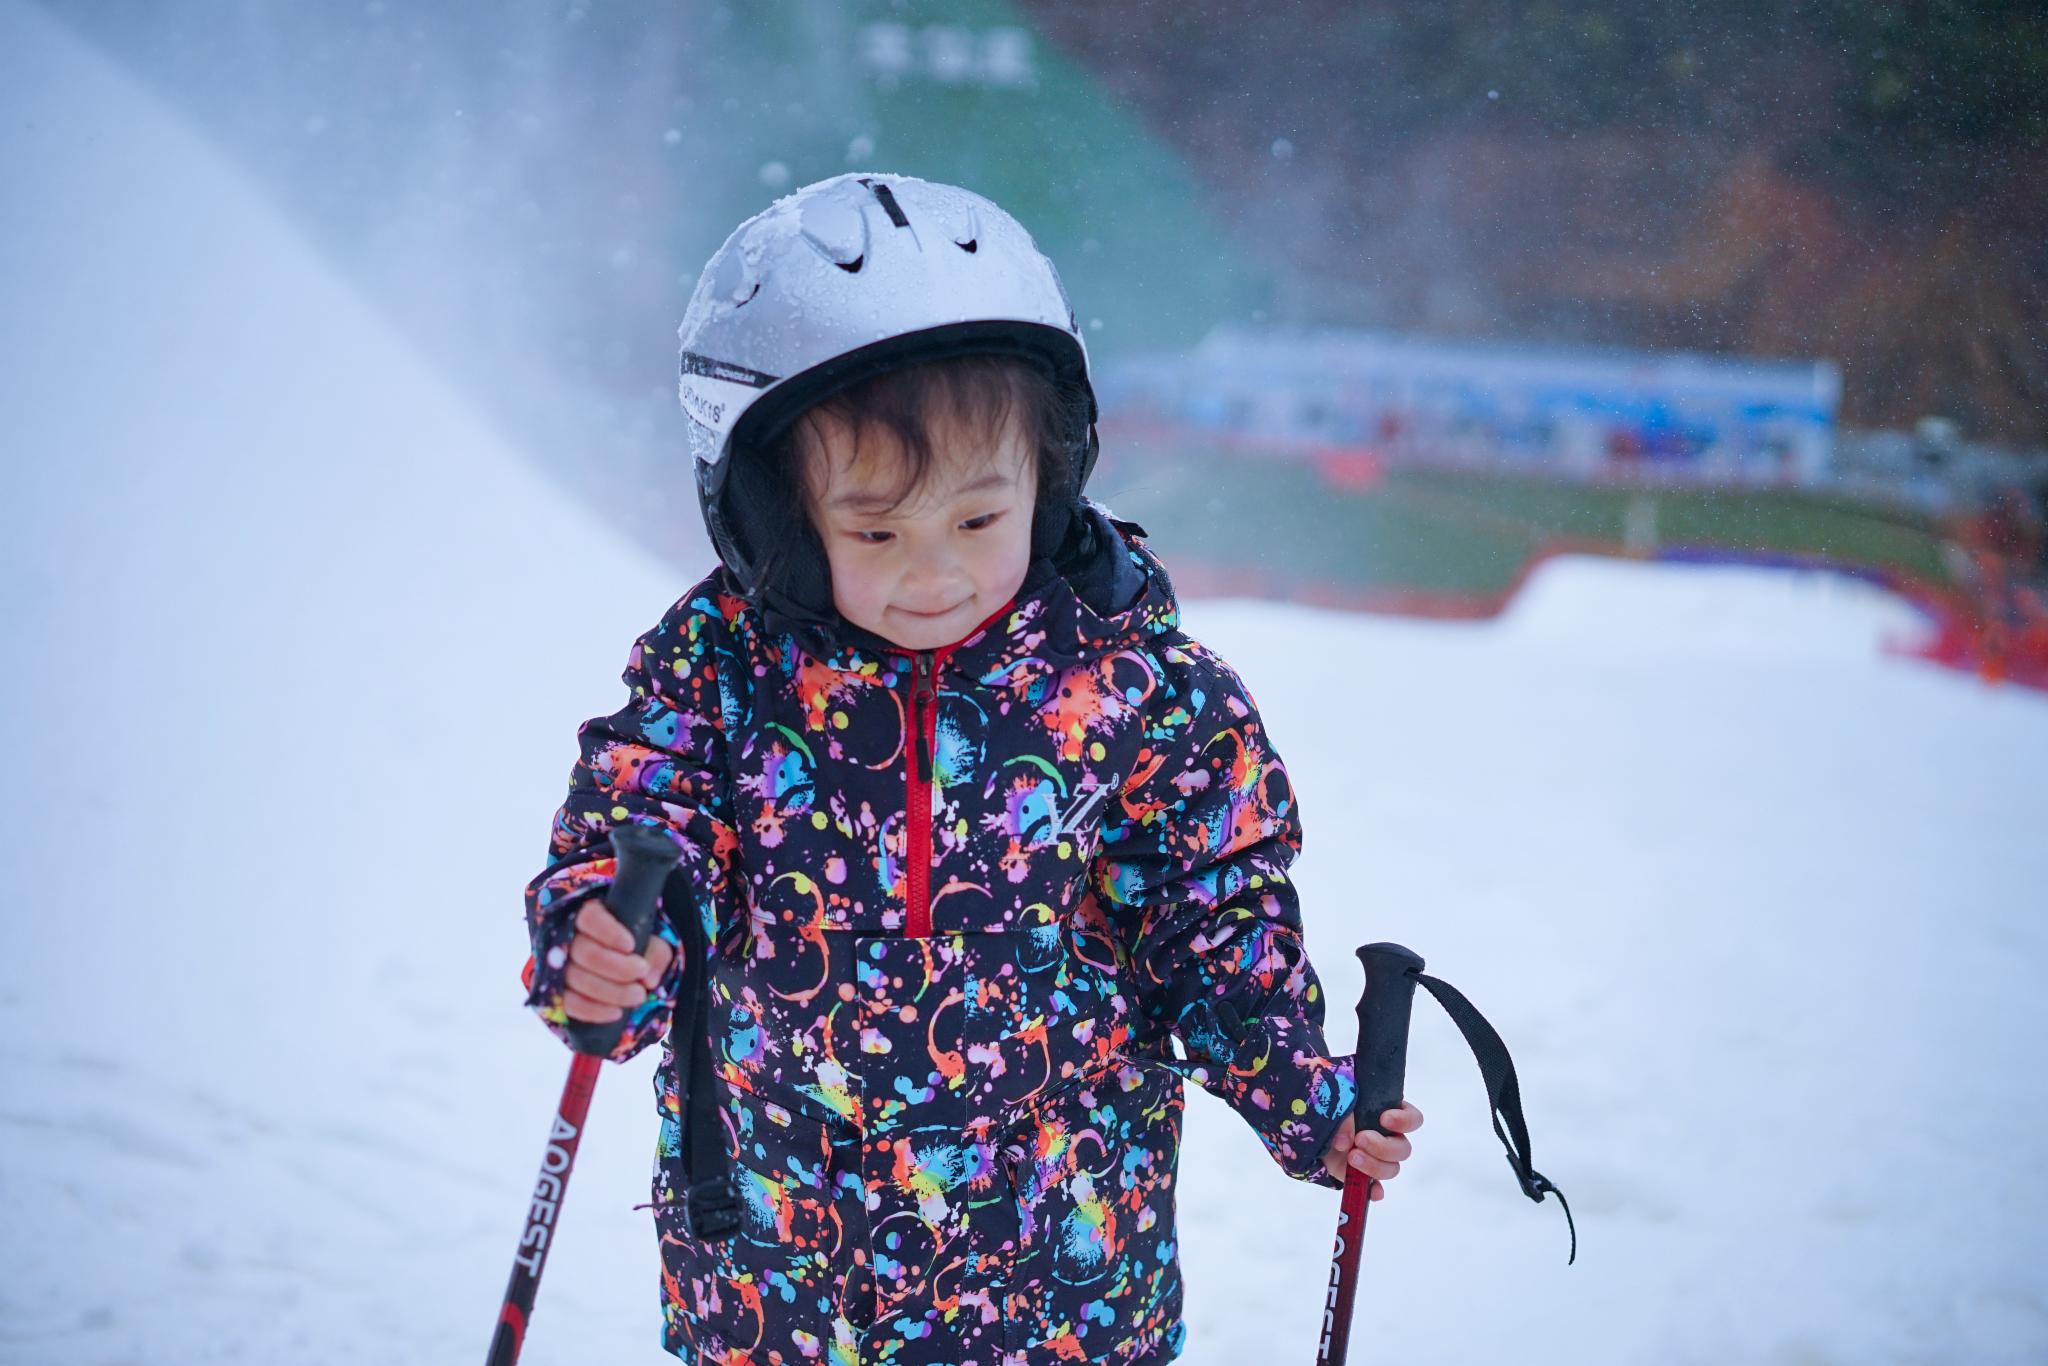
x,y
963,899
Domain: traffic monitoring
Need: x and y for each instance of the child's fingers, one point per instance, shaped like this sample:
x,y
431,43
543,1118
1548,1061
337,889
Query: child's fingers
x,y
659,956
580,1007
1404,1120
595,919
1376,1168
607,963
1386,1147
629,994
1377,1155
1336,1155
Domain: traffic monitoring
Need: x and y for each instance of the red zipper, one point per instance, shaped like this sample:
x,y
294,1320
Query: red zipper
x,y
917,764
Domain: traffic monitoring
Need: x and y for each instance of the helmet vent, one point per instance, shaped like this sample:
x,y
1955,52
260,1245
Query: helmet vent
x,y
852,267
888,198
970,246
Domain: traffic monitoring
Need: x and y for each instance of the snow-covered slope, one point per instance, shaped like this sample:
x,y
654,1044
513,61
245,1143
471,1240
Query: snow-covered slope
x,y
296,651
1758,911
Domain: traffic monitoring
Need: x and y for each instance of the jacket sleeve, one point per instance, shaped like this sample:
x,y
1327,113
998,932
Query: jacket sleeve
x,y
659,759
1194,863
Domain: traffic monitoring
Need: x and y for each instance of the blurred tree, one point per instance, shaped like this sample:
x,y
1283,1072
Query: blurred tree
x,y
1593,170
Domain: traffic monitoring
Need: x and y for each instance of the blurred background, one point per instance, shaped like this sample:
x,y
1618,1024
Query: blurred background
x,y
1755,279
1611,440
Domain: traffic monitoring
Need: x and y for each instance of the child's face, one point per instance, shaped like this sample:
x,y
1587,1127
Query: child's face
x,y
928,571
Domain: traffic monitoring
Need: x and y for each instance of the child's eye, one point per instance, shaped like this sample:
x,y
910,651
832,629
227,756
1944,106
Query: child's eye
x,y
874,537
977,523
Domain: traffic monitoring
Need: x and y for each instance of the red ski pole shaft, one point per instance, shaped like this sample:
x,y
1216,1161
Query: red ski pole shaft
x,y
644,857
555,1165
1381,1070
1344,1270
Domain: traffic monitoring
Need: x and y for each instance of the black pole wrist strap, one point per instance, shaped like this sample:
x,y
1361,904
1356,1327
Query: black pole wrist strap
x,y
712,1200
1503,1095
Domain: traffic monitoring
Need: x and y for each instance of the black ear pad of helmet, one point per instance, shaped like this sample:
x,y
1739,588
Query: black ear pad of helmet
x,y
1058,512
767,540
726,539
1050,522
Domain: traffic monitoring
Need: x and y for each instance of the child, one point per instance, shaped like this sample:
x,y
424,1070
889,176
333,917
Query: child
x,y
977,831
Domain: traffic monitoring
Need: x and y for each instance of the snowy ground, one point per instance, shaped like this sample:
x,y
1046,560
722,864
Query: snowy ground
x,y
295,652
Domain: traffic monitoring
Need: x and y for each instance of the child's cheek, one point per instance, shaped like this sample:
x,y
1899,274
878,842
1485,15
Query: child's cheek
x,y
858,591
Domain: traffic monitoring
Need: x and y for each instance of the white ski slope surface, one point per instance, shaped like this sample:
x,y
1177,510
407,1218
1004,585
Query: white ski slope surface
x,y
296,649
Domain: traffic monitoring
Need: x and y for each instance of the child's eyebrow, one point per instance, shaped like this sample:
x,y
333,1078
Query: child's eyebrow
x,y
857,501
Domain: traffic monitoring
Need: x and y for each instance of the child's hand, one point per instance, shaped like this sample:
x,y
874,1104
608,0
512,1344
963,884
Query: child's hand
x,y
605,977
1376,1154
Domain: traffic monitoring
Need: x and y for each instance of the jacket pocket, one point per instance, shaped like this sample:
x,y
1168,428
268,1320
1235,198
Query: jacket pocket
x,y
1093,1168
776,1282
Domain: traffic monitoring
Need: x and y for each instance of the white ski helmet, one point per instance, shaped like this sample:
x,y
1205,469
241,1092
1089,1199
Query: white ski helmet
x,y
842,279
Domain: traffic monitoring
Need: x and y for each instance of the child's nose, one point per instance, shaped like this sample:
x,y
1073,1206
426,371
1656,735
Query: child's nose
x,y
934,574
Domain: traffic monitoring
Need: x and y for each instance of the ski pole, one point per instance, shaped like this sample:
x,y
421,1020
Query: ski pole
x,y
644,857
1380,1069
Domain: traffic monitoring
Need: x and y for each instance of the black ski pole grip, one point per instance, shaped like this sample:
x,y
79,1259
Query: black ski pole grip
x,y
1380,1070
644,855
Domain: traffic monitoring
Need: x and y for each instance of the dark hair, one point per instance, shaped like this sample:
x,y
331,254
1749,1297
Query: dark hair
x,y
978,392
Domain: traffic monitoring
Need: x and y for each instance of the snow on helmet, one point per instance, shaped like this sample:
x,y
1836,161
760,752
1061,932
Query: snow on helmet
x,y
840,280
